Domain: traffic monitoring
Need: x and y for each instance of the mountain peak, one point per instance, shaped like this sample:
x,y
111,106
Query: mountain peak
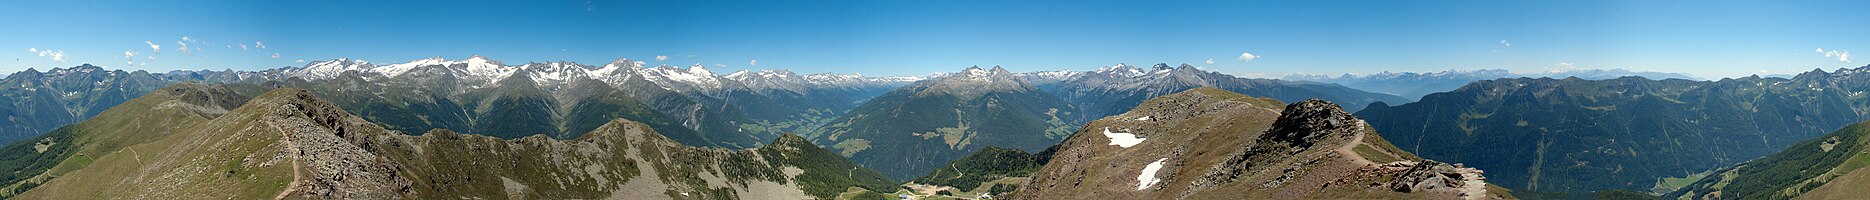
x,y
624,62
1306,122
1120,69
699,69
1160,66
478,59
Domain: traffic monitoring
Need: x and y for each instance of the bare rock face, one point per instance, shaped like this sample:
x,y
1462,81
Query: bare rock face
x,y
1307,122
1426,175
330,166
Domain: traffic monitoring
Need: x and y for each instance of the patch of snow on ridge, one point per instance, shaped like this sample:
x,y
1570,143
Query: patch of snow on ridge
x,y
1144,118
1148,176
1124,140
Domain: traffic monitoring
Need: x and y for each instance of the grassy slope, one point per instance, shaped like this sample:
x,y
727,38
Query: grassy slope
x,y
1832,161
984,166
139,120
212,159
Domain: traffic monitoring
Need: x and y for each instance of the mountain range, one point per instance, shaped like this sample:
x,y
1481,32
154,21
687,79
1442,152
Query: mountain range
x,y
1575,135
407,130
37,102
911,130
287,143
1413,85
691,105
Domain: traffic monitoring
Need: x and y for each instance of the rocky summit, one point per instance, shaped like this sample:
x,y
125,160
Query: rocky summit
x,y
1209,143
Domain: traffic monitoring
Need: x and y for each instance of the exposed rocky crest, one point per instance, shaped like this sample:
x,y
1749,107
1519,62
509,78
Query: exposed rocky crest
x,y
1208,143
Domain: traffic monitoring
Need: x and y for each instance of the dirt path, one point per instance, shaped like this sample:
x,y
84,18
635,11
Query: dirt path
x,y
290,186
1350,148
1472,186
957,172
137,156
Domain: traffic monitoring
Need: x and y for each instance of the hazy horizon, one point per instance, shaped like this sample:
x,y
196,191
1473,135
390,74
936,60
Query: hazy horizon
x,y
1707,40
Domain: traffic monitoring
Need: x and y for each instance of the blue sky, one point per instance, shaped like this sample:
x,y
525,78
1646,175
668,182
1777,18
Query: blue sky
x,y
1707,39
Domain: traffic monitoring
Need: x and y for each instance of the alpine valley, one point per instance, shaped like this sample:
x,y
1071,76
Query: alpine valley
x,y
1575,137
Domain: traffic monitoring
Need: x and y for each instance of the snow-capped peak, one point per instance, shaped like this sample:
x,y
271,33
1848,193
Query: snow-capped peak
x,y
479,66
552,72
398,69
1120,69
975,71
330,68
1160,67
737,75
696,77
698,69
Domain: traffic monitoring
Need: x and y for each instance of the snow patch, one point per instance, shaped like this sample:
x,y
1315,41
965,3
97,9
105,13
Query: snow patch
x,y
1144,118
1148,176
1124,140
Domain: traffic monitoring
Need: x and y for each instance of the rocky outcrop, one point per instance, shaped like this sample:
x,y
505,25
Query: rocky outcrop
x,y
326,164
1212,144
1309,122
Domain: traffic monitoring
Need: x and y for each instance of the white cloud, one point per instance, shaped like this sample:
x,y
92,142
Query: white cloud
x,y
662,58
243,46
275,55
1503,43
299,61
720,65
1210,61
129,57
259,45
1247,56
55,55
153,46
184,49
753,62
185,38
1842,56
